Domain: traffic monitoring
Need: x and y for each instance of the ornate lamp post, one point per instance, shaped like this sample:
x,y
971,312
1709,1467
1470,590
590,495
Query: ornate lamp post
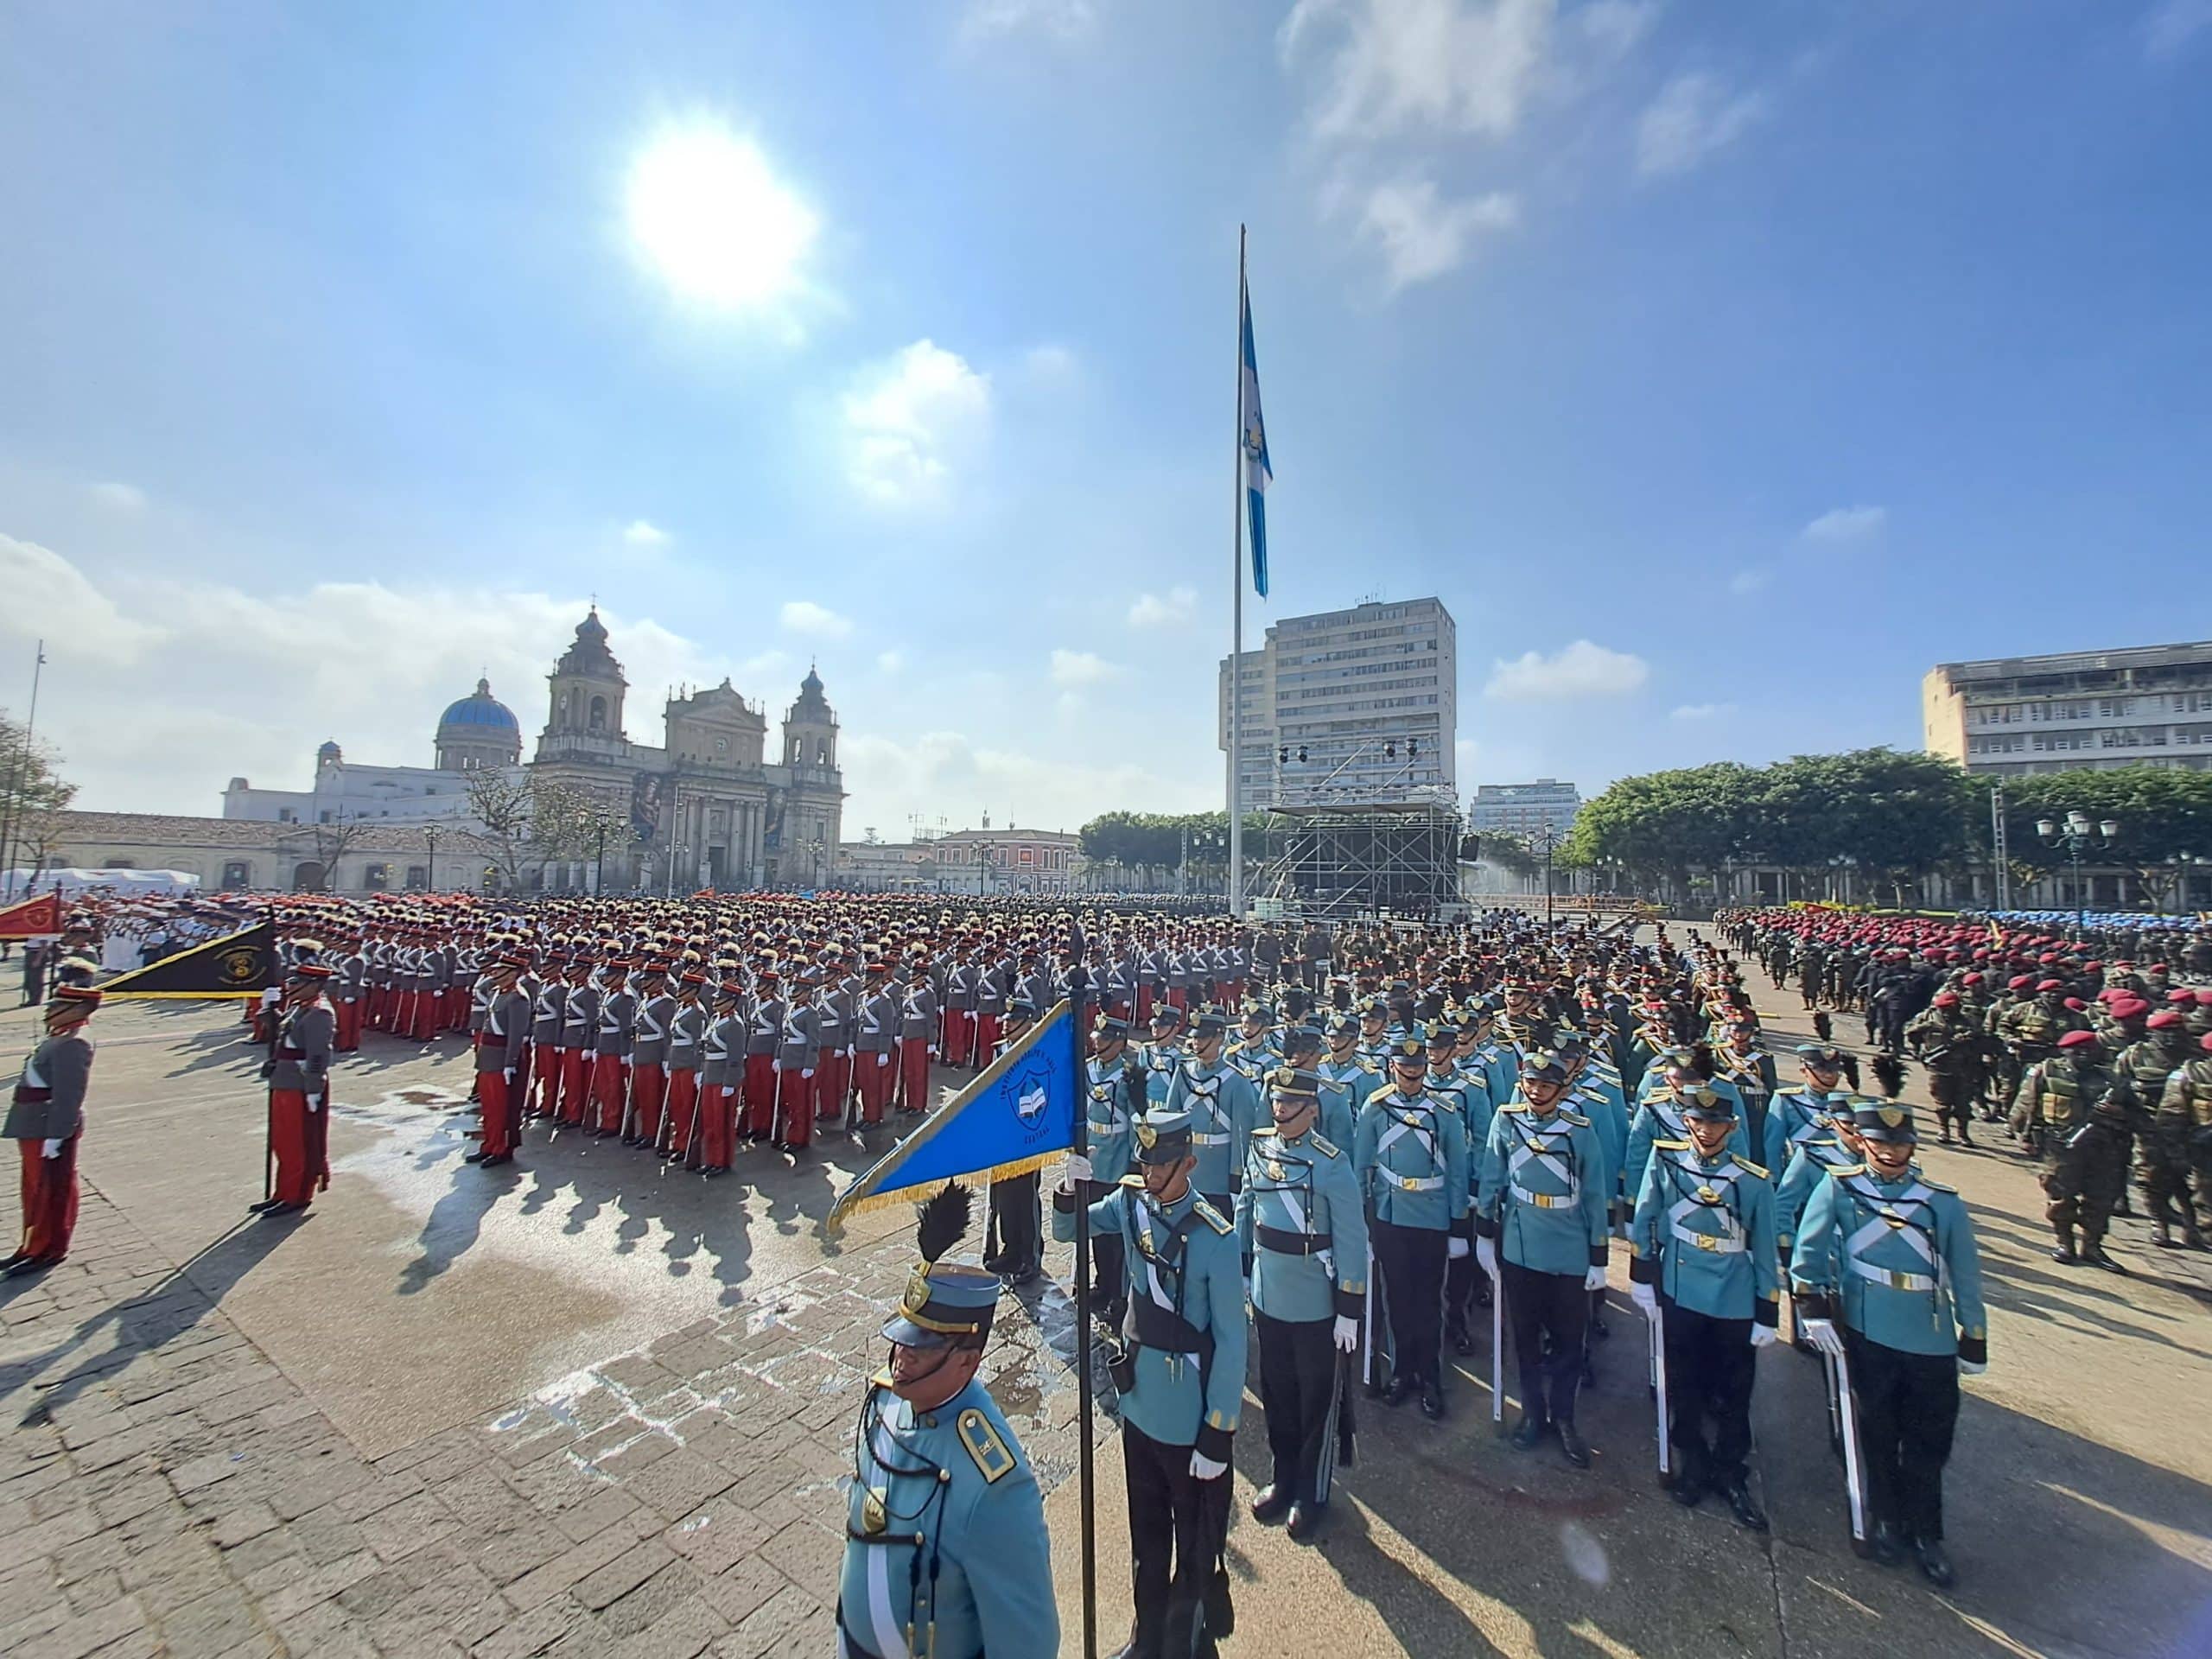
x,y
2074,836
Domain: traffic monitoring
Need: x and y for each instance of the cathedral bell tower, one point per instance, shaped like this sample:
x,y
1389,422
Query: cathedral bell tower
x,y
586,690
810,728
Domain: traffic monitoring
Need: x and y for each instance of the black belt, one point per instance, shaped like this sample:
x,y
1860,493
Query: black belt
x,y
1284,1242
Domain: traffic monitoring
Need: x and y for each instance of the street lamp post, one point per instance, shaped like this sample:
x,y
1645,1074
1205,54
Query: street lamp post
x,y
2074,836
983,866
1548,840
431,836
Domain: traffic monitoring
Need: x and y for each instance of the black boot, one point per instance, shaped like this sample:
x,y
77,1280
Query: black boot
x,y
1884,1544
1305,1520
1688,1489
2064,1253
1934,1562
1572,1443
1462,1339
1399,1392
1530,1434
1748,1514
1270,1504
1432,1400
2093,1252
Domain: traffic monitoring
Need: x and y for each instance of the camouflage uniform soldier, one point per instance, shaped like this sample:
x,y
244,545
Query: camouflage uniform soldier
x,y
2078,1110
2179,1134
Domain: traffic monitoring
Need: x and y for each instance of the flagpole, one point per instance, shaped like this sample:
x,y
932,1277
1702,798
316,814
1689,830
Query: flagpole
x,y
1236,611
18,769
1078,983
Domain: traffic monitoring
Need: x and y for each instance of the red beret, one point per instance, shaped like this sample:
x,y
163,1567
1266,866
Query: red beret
x,y
2164,1019
2077,1039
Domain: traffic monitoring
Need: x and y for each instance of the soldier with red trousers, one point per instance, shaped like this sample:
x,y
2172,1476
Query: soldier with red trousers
x,y
501,1041
298,1070
46,1119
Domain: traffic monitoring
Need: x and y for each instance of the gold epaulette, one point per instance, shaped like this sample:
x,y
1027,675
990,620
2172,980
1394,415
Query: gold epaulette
x,y
1270,1130
1751,1168
1842,1170
1327,1149
992,1459
1670,1146
1213,1218
1136,1181
1522,1106
1575,1118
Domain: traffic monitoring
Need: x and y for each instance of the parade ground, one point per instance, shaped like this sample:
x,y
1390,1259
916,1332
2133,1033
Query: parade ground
x,y
579,1406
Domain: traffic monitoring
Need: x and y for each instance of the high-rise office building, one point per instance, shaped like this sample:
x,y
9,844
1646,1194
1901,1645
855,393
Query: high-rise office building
x,y
2145,705
1348,706
1522,809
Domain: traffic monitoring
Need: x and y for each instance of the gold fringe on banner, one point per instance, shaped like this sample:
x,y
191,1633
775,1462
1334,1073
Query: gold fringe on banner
x,y
927,1190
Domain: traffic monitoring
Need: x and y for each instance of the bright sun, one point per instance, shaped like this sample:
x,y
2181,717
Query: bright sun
x,y
704,207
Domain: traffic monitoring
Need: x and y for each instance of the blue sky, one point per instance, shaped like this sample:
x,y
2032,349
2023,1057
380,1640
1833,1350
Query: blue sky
x,y
1722,366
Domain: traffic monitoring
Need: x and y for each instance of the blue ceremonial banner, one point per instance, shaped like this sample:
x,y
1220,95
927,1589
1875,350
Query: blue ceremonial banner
x,y
1258,474
1018,1115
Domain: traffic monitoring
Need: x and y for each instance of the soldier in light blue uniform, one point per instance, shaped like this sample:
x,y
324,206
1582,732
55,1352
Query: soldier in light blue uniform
x,y
1301,1051
1703,1256
1224,1108
1162,1058
1257,1051
1500,1060
946,1554
1410,1151
1344,1067
1540,1222
1813,1157
1658,1118
1299,1219
1114,1082
1465,1286
1181,1376
1374,1035
1800,1110
1886,1273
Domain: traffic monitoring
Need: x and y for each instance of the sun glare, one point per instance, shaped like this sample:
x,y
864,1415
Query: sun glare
x,y
716,222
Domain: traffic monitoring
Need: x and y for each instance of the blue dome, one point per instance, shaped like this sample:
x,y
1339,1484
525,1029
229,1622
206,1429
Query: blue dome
x,y
482,709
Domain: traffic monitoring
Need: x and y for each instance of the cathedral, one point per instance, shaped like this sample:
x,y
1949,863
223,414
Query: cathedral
x,y
710,807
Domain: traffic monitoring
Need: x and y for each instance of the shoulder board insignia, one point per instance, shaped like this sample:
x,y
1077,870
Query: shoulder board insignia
x,y
1517,1108
1136,1181
1936,1186
1671,1146
1211,1216
1327,1149
1791,1089
1256,1134
1751,1168
1575,1118
1843,1170
993,1460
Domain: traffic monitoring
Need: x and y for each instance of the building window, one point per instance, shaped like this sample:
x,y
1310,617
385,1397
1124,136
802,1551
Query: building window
x,y
597,719
237,875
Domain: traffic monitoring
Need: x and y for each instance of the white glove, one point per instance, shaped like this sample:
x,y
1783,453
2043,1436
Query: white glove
x,y
849,1053
1822,1334
1204,1468
932,1053
1594,1279
1971,1368
1645,1297
1454,1248
508,1074
1762,1336
1486,1255
806,1072
1347,1333
1078,1169
52,1148
883,1057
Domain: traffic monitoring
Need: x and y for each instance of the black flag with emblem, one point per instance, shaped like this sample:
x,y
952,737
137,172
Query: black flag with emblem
x,y
238,964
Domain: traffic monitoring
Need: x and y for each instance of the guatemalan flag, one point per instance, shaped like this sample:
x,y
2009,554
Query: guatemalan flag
x,y
1252,439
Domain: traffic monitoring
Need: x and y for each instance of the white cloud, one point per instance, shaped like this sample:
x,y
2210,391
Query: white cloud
x,y
911,421
1846,524
951,774
1062,20
1049,363
1422,236
1172,610
1081,668
1616,27
1702,711
890,662
1581,670
1748,581
708,214
803,616
1393,66
1695,115
50,598
121,498
2172,26
643,532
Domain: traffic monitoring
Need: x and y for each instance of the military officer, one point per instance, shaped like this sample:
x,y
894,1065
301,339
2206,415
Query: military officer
x,y
2058,1096
1540,1221
46,1120
298,1070
687,1034
2165,1152
1300,1224
1702,1244
721,1056
1410,1153
1804,1109
1948,1040
1181,1375
1224,1108
1114,1100
1886,1273
1301,1050
500,1037
946,1553
1343,1067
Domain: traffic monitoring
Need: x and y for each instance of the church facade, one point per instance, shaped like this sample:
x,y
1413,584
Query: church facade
x,y
715,803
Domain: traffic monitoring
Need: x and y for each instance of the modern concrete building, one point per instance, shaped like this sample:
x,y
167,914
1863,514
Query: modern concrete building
x,y
1522,809
1348,706
2144,705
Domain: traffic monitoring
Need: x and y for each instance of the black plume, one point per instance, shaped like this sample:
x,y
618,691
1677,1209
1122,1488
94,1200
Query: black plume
x,y
943,1220
1822,1027
1890,1069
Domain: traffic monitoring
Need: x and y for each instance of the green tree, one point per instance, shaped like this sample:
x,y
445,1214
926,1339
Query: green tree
x,y
33,793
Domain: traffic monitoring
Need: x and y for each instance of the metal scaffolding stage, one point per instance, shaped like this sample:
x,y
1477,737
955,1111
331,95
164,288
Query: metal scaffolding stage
x,y
1334,862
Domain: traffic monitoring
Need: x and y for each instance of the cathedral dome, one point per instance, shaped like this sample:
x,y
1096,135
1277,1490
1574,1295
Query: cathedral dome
x,y
480,707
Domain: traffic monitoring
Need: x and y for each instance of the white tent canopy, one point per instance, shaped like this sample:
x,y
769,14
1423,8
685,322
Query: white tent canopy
x,y
125,883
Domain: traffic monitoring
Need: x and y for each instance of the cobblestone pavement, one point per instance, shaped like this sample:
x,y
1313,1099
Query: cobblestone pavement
x,y
165,1489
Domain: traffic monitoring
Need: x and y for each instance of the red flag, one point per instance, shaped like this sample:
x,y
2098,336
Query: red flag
x,y
32,918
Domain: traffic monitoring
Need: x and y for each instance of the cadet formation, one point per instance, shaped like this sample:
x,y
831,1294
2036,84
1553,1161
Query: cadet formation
x,y
1312,1157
